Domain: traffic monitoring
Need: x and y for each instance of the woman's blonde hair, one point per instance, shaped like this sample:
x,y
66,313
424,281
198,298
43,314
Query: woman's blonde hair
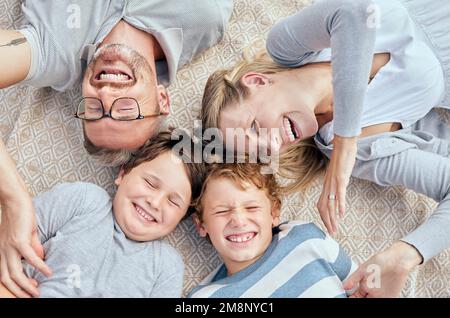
x,y
302,162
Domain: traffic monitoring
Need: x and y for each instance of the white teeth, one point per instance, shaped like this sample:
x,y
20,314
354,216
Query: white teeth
x,y
240,239
114,77
144,214
288,129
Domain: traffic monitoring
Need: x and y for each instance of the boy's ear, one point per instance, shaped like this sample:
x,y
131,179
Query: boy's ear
x,y
163,100
119,178
199,226
276,214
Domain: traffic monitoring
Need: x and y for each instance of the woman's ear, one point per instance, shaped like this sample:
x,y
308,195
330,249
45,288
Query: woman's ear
x,y
119,178
163,100
253,80
199,226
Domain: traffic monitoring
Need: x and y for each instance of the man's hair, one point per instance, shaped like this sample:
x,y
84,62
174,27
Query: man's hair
x,y
160,144
242,174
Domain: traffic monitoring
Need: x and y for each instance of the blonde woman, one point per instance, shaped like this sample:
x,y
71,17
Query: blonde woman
x,y
356,81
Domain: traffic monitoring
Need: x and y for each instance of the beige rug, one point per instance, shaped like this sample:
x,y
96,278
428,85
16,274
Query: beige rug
x,y
46,142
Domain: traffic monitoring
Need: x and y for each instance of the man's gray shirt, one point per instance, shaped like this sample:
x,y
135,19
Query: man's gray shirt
x,y
64,34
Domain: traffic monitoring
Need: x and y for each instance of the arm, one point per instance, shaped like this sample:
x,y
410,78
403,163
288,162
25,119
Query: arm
x,y
15,57
18,230
411,169
68,203
341,25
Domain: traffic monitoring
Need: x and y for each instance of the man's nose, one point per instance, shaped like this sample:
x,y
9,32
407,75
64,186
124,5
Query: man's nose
x,y
107,95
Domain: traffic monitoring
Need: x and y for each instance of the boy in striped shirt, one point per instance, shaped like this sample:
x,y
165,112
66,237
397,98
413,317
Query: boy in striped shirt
x,y
238,211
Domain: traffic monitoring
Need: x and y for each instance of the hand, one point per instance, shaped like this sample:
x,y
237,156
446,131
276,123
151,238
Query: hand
x,y
19,238
337,177
384,274
5,293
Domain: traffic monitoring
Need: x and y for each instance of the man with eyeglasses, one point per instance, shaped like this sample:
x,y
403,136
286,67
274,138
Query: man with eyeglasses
x,y
124,53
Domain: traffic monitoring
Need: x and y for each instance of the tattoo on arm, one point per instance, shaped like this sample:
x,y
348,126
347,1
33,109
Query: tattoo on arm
x,y
15,42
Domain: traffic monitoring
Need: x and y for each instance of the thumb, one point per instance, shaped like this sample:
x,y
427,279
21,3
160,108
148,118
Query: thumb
x,y
354,279
37,246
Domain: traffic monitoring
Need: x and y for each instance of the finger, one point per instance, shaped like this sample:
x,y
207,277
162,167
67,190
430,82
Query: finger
x,y
341,200
331,206
359,294
8,282
324,215
37,246
34,282
354,279
33,259
16,273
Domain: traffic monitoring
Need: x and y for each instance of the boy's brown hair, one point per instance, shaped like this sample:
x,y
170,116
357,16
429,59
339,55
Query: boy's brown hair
x,y
166,141
241,174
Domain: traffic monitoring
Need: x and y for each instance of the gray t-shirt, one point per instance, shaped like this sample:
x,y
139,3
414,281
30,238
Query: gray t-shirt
x,y
64,34
90,255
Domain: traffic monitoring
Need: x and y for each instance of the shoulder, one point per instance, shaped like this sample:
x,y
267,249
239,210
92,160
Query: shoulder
x,y
91,193
301,229
80,194
317,243
308,237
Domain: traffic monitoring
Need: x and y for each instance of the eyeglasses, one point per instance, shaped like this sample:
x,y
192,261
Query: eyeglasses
x,y
123,109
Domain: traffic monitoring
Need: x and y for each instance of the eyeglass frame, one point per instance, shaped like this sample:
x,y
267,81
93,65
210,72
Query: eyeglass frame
x,y
108,115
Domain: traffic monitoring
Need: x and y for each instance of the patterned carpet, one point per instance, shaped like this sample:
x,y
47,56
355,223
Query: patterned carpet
x,y
46,142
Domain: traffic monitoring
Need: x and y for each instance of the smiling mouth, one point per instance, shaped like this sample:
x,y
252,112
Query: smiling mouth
x,y
290,129
144,214
113,75
241,238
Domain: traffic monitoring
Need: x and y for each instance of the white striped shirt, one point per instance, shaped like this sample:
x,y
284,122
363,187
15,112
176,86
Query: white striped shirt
x,y
301,261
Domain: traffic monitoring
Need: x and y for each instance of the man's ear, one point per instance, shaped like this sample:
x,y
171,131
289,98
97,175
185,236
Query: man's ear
x,y
253,80
163,99
119,178
199,226
275,214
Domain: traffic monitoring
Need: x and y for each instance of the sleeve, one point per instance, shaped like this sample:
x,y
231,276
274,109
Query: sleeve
x,y
340,262
48,67
341,25
65,202
169,283
204,25
424,172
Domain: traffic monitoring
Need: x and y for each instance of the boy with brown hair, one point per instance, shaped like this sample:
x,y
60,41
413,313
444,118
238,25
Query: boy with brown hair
x,y
238,210
98,247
